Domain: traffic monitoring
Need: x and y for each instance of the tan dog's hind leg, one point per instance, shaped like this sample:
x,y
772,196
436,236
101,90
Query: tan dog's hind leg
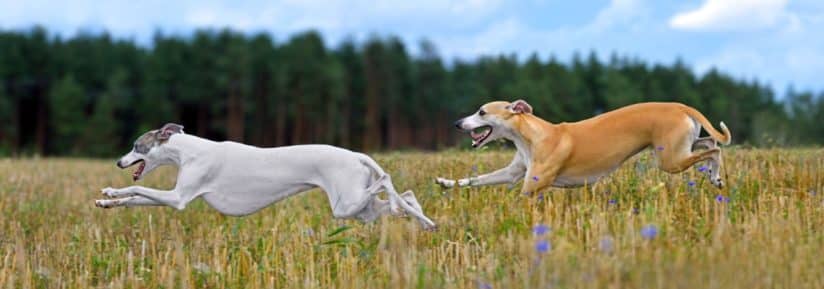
x,y
676,163
704,143
714,170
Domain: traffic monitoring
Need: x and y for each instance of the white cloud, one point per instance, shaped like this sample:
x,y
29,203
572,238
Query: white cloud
x,y
619,12
510,34
728,15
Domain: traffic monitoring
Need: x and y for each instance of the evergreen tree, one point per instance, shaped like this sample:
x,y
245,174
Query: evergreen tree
x,y
101,132
68,101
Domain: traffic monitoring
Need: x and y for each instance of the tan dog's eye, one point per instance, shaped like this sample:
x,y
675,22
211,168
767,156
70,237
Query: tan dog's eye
x,y
481,112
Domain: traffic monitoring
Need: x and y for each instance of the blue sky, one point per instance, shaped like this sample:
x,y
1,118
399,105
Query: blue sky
x,y
779,42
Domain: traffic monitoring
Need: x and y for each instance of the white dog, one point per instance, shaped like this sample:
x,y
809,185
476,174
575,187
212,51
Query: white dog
x,y
238,179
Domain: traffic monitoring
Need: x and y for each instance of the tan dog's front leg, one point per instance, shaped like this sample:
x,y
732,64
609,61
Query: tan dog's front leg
x,y
510,174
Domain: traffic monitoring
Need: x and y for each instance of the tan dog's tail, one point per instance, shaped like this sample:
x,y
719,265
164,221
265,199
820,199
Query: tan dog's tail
x,y
724,138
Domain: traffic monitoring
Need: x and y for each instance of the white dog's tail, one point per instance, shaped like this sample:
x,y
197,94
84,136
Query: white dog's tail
x,y
395,199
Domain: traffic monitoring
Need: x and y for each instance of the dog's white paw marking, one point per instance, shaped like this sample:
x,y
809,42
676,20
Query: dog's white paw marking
x,y
719,183
446,183
103,204
109,192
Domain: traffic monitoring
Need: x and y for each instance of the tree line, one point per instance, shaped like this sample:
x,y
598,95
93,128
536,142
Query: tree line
x,y
91,95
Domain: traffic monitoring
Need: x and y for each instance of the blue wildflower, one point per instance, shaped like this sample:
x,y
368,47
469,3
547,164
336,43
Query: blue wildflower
x,y
702,169
722,199
542,246
540,196
483,285
606,244
535,178
540,229
613,201
649,232
691,183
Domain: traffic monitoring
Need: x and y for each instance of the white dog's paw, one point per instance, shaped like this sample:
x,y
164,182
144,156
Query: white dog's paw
x,y
110,192
445,183
104,204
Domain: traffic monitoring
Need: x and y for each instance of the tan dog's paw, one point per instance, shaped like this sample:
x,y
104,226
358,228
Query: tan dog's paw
x,y
718,183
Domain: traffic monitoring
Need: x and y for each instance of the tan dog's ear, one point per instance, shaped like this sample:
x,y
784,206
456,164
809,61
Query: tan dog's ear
x,y
519,106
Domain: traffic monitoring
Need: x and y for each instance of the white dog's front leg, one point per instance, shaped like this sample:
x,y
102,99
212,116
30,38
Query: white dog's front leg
x,y
168,198
132,201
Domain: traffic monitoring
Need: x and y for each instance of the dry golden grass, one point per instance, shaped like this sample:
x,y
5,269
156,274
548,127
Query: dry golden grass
x,y
770,234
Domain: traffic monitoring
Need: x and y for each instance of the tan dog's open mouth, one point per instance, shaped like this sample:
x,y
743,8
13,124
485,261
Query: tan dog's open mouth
x,y
480,134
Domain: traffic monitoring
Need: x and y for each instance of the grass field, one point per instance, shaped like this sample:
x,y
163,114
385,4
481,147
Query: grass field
x,y
765,230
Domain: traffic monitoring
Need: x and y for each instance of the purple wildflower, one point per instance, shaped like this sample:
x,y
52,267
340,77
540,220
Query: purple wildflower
x,y
542,246
722,199
613,201
702,169
606,244
535,178
660,148
691,183
483,285
649,232
540,229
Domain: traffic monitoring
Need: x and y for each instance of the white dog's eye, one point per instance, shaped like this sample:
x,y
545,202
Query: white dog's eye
x,y
481,112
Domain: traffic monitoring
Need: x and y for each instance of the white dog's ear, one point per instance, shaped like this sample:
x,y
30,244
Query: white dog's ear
x,y
168,130
519,106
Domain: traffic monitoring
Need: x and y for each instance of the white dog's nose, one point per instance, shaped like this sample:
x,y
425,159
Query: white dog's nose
x,y
458,123
119,164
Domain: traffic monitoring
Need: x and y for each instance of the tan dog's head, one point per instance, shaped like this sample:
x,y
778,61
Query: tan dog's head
x,y
493,121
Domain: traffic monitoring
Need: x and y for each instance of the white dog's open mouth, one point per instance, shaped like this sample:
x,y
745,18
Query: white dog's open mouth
x,y
139,170
480,136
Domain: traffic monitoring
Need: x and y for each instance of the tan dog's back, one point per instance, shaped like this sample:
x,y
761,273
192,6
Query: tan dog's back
x,y
602,143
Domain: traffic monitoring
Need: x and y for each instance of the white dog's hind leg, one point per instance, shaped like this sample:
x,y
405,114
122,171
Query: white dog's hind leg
x,y
410,199
374,210
349,200
394,198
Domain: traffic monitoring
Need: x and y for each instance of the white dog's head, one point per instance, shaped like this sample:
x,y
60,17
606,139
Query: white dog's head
x,y
493,121
148,152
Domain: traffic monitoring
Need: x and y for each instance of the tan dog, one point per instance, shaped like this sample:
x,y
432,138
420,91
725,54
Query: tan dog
x,y
579,153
